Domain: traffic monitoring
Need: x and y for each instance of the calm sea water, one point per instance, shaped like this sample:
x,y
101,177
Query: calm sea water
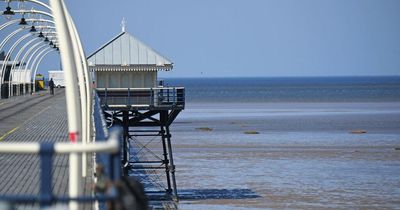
x,y
298,89
304,155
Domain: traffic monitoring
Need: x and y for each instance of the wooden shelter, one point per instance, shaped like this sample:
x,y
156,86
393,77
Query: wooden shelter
x,y
126,62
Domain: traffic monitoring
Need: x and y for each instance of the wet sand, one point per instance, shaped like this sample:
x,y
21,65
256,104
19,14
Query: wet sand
x,y
303,157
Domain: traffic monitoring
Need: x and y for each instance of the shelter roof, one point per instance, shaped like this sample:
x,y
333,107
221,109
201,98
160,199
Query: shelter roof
x,y
127,53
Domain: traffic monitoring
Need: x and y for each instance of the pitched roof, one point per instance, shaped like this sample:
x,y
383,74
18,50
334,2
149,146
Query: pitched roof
x,y
126,50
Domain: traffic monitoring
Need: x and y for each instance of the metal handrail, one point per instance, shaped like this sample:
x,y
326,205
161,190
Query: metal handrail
x,y
109,146
133,89
46,152
156,97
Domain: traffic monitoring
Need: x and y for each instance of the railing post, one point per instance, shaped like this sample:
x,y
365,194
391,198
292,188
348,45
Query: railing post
x,y
174,95
184,97
46,155
151,97
105,96
129,97
168,98
125,119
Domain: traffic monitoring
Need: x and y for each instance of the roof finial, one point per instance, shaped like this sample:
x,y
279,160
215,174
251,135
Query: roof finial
x,y
123,25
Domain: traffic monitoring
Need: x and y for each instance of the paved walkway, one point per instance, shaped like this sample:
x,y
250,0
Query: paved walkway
x,y
37,118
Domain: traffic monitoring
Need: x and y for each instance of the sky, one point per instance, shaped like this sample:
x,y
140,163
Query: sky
x,y
251,38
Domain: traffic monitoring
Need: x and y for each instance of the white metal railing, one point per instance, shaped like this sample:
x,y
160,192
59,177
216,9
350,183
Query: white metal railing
x,y
157,97
110,146
46,152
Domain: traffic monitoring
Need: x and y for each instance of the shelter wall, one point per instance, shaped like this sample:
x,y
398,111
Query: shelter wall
x,y
126,79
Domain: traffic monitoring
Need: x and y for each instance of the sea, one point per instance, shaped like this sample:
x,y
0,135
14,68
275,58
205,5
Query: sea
x,y
288,143
290,89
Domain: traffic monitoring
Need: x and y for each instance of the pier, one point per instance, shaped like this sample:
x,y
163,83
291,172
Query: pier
x,y
39,118
87,145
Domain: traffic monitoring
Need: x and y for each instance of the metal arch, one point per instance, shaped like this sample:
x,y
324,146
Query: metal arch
x,y
9,37
21,50
17,57
35,46
10,52
69,61
3,43
13,33
38,55
34,12
85,71
74,109
33,55
40,3
1,47
9,55
33,1
25,56
8,23
84,85
5,40
40,59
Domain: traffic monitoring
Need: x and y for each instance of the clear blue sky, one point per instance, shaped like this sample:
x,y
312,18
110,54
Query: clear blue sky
x,y
225,38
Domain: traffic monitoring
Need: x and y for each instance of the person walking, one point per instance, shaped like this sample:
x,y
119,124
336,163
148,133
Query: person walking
x,y
51,86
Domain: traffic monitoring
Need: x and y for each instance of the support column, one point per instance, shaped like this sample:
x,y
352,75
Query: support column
x,y
166,161
171,159
125,120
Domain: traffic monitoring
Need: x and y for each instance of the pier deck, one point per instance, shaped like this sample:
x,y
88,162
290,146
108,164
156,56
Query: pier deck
x,y
36,118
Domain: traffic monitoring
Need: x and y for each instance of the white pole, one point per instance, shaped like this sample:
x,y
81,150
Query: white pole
x,y
85,92
71,90
82,83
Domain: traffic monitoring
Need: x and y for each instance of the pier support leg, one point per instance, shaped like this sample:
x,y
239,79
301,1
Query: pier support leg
x,y
171,159
125,120
166,161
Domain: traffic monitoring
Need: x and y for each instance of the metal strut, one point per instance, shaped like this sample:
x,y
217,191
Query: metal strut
x,y
166,161
171,159
125,160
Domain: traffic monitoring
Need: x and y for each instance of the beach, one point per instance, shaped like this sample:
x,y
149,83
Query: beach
x,y
288,155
